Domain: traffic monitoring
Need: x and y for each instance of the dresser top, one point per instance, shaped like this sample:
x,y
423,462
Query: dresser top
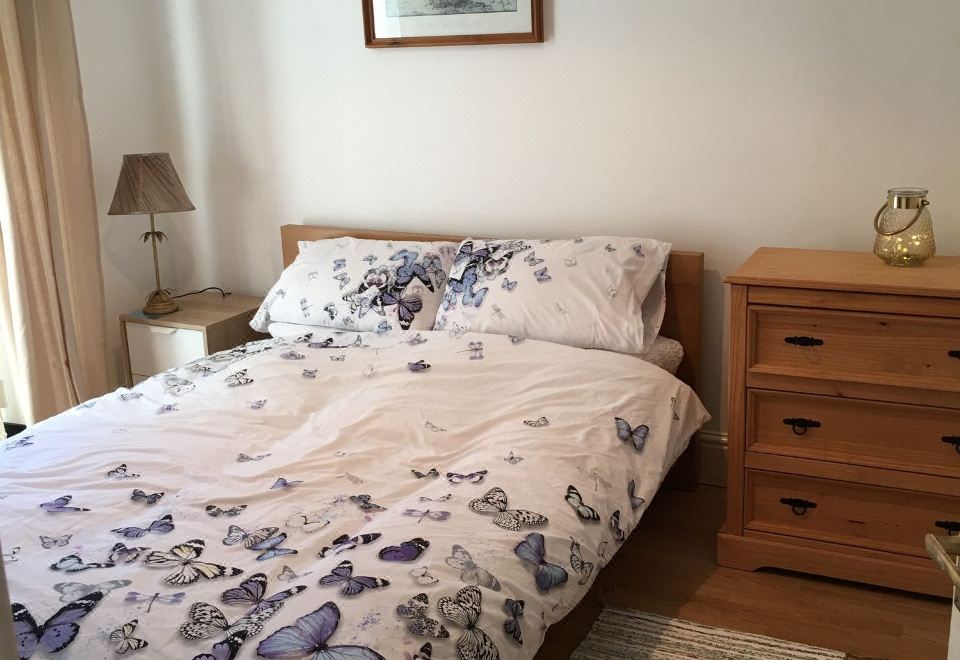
x,y
847,271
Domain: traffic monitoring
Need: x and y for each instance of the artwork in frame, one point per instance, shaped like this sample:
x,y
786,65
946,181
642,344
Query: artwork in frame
x,y
395,23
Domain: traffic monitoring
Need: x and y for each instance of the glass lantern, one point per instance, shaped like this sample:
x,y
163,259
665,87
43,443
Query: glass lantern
x,y
904,228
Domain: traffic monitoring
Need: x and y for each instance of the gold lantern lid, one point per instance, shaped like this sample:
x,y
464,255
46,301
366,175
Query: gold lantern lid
x,y
906,198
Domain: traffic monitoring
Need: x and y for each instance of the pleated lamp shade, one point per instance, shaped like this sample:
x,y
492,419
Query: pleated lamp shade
x,y
149,183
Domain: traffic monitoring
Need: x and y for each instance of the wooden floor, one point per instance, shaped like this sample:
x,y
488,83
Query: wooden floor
x,y
674,573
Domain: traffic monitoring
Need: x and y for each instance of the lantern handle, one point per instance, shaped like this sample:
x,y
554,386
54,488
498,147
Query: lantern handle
x,y
876,219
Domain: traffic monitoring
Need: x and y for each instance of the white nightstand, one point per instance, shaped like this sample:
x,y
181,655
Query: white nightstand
x,y
204,324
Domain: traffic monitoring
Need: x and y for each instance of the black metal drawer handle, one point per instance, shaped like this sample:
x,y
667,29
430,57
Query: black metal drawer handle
x,y
798,506
801,424
952,440
804,341
952,526
954,354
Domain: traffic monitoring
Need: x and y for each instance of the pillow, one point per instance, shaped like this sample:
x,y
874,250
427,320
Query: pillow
x,y
357,284
665,353
596,292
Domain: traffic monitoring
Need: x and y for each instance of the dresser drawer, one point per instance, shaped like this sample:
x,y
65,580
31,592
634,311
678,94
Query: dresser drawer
x,y
915,438
157,348
847,513
880,349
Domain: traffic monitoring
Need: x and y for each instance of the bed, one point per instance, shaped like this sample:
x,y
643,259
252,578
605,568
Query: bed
x,y
345,495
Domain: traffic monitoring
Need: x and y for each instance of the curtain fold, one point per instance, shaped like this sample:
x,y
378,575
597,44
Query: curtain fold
x,y
52,315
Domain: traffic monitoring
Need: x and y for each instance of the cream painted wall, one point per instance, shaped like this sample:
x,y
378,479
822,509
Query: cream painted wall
x,y
720,126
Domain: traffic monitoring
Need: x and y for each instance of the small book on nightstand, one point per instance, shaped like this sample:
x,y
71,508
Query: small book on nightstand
x,y
204,324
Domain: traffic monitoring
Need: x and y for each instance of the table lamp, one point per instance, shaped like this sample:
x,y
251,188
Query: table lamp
x,y
149,183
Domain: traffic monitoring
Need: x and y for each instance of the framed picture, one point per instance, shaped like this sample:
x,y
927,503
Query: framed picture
x,y
395,23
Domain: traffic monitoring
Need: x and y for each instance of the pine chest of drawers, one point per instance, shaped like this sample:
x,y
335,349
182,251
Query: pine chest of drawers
x,y
844,416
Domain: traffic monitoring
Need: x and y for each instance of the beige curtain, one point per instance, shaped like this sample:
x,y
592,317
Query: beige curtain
x,y
52,317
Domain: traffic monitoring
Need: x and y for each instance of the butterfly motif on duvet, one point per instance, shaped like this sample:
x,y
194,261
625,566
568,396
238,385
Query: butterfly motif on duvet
x,y
161,526
208,621
226,649
57,632
470,572
578,563
464,610
120,472
266,540
495,501
346,542
363,501
124,637
251,592
511,625
74,564
309,636
59,505
71,591
636,435
54,542
418,623
406,551
351,586
635,502
584,512
184,558
533,550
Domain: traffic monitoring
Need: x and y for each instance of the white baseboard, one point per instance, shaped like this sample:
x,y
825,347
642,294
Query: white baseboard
x,y
713,458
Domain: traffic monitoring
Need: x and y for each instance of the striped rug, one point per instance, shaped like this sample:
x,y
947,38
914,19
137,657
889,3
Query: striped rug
x,y
628,634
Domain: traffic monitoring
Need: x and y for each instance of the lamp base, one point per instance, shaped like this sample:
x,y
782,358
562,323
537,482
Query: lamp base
x,y
159,303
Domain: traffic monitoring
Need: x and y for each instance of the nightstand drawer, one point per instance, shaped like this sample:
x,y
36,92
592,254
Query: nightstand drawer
x,y
157,348
915,438
880,349
841,512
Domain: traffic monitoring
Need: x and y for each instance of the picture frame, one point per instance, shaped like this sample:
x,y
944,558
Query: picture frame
x,y
404,23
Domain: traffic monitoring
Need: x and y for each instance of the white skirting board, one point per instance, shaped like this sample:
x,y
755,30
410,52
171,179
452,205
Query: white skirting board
x,y
713,458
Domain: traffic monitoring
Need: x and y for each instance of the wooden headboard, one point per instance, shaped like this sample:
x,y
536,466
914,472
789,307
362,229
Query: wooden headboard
x,y
684,316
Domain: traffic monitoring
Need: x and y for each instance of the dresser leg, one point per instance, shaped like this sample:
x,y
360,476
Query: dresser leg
x,y
732,552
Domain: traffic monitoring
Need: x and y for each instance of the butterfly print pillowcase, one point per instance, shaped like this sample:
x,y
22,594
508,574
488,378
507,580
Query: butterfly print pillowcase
x,y
362,285
593,292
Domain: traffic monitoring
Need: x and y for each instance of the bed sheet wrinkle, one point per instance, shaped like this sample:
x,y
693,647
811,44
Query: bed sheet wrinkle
x,y
318,459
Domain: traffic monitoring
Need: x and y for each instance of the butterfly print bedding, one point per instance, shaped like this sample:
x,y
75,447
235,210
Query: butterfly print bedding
x,y
342,575
495,501
57,632
511,625
184,558
140,496
163,525
636,435
71,591
418,623
59,505
578,563
421,506
406,551
635,501
47,542
123,637
533,550
584,512
309,636
74,564
472,477
464,609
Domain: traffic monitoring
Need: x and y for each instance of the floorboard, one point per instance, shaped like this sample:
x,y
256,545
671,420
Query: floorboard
x,y
674,573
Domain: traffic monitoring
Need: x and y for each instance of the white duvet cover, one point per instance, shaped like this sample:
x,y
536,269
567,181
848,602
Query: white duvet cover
x,y
257,459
